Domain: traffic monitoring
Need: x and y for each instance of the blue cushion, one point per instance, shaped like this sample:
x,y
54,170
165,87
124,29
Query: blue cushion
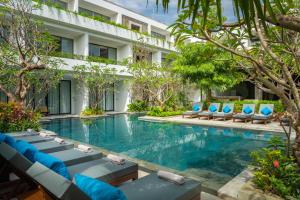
x,y
98,190
52,163
196,107
2,137
212,108
26,149
266,111
227,109
8,140
247,110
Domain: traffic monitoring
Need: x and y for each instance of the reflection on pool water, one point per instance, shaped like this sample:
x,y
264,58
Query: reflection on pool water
x,y
214,153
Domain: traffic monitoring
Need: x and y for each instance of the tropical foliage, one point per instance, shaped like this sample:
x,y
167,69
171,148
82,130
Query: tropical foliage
x,y
91,112
138,106
265,42
13,117
276,171
163,112
98,79
211,68
24,50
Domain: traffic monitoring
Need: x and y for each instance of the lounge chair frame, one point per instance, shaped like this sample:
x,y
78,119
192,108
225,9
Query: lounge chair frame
x,y
265,119
244,117
208,114
192,113
226,115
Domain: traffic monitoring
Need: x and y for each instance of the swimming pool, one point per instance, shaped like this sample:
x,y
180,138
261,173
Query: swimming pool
x,y
217,154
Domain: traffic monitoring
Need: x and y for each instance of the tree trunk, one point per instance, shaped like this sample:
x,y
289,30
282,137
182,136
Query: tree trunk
x,y
208,95
297,144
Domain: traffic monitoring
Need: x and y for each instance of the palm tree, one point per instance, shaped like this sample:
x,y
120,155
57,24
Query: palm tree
x,y
275,12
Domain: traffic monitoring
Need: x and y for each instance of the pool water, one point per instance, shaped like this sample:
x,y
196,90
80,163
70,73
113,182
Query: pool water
x,y
202,151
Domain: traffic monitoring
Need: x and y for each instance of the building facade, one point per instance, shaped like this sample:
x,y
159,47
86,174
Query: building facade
x,y
97,29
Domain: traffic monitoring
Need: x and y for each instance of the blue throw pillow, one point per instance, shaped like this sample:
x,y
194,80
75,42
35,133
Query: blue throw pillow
x,y
196,107
266,111
247,110
98,190
227,109
2,137
26,149
8,140
52,163
212,108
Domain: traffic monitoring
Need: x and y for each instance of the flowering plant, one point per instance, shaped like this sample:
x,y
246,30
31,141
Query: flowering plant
x,y
14,117
276,172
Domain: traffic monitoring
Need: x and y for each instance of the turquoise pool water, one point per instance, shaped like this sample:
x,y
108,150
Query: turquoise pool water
x,y
204,151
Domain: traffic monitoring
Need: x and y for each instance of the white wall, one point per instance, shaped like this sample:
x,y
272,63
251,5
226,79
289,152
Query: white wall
x,y
122,95
156,57
80,97
81,45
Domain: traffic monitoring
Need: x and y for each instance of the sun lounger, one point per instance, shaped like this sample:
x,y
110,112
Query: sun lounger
x,y
197,108
53,146
152,187
106,170
34,138
103,169
55,186
265,113
213,108
227,112
248,111
74,156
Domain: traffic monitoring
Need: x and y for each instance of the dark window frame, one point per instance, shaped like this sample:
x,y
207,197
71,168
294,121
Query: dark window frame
x,y
107,50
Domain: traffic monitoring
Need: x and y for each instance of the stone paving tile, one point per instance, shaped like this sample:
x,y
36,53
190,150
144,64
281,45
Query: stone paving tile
x,y
273,126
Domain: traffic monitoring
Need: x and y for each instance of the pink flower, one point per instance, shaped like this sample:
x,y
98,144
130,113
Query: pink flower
x,y
276,163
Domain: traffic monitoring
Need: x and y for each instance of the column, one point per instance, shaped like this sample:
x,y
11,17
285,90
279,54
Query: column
x,y
81,45
156,57
125,52
119,18
73,5
258,93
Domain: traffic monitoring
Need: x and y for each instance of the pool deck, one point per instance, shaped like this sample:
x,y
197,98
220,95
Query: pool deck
x,y
273,126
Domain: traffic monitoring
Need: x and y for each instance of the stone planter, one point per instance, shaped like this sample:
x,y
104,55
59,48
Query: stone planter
x,y
249,192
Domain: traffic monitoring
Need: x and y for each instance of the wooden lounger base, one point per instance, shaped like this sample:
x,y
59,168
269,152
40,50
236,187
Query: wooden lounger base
x,y
37,194
243,120
132,176
11,189
224,118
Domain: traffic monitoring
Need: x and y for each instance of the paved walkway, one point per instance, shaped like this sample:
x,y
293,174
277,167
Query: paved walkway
x,y
273,126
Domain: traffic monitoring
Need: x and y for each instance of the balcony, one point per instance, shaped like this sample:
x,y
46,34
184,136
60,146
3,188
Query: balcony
x,y
52,14
70,61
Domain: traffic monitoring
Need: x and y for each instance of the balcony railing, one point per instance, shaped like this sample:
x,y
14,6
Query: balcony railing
x,y
154,40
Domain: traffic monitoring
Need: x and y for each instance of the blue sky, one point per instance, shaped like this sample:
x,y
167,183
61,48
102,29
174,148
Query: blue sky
x,y
150,10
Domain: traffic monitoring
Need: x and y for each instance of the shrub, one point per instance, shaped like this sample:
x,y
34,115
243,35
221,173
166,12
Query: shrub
x,y
138,106
277,172
278,106
91,111
159,112
14,117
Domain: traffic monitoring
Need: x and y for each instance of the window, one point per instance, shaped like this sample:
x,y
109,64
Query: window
x,y
158,35
102,51
135,27
93,14
65,45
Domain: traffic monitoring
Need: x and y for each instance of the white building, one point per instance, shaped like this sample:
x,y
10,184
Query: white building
x,y
103,29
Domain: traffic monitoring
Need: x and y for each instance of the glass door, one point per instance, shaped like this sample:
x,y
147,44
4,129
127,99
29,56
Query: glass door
x,y
65,97
59,98
53,101
109,99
